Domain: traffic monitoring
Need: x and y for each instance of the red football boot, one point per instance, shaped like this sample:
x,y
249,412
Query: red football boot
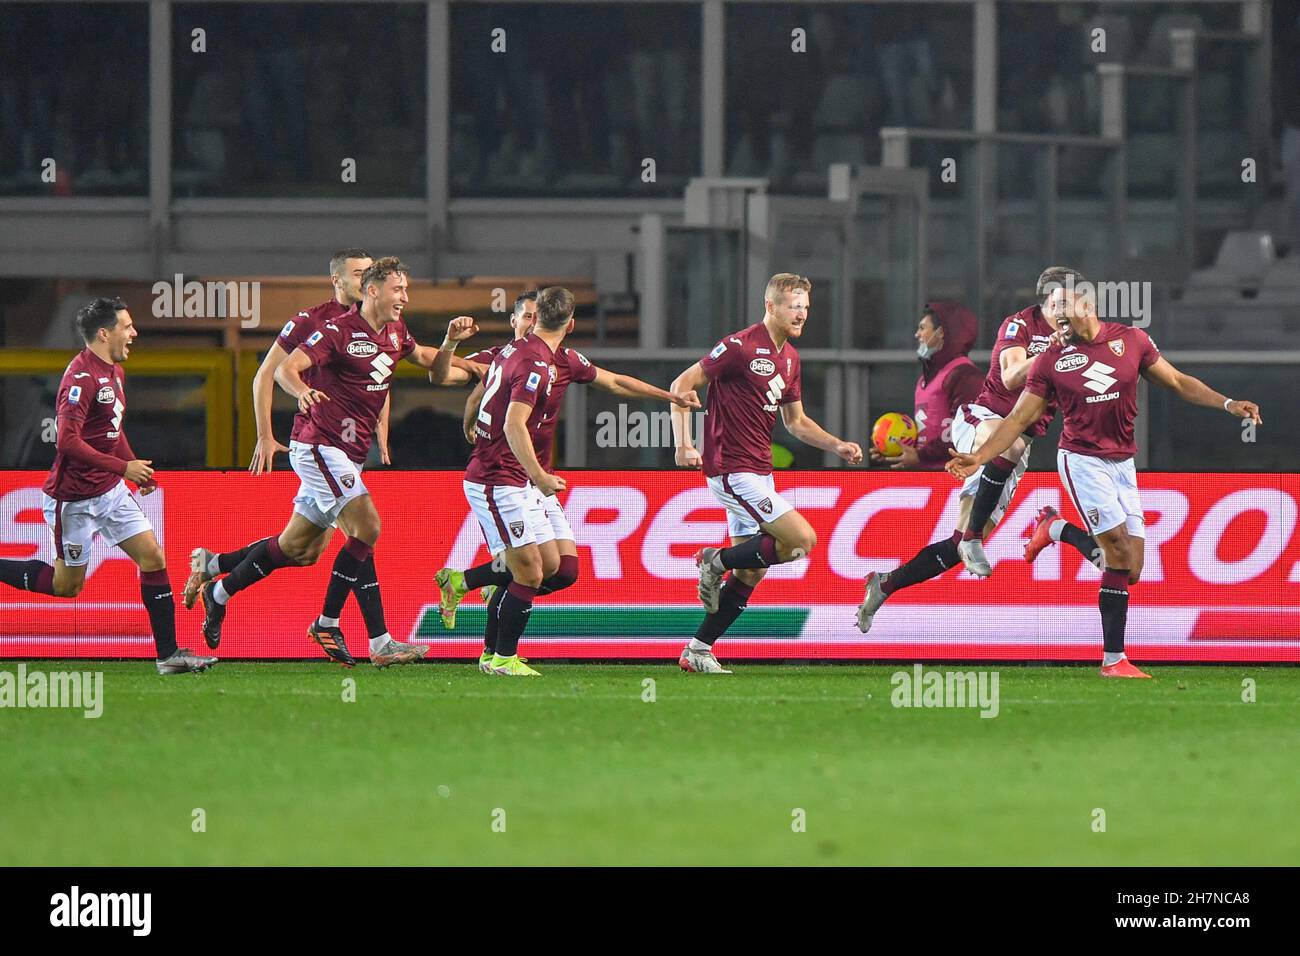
x,y
1042,535
1121,668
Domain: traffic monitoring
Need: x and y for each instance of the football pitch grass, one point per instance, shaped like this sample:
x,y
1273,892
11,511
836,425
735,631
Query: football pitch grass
x,y
430,761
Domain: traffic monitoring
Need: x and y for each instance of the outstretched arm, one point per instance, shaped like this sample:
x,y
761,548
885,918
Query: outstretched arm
x,y
810,433
1191,389
626,386
1029,408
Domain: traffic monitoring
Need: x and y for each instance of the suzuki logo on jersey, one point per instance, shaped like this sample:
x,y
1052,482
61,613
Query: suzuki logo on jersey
x,y
762,366
774,389
363,350
106,395
1071,363
383,365
1099,378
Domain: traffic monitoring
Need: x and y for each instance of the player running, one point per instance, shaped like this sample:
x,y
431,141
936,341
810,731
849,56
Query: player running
x,y
353,358
346,268
751,374
551,530
85,494
508,484
986,495
1092,376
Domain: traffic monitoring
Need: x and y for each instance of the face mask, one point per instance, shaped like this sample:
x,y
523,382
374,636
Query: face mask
x,y
925,351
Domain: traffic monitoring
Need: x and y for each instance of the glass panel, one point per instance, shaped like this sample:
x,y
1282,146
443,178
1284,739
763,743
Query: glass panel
x,y
861,67
814,249
703,278
1185,437
165,421
580,96
1222,85
1049,85
884,266
74,88
610,433
285,94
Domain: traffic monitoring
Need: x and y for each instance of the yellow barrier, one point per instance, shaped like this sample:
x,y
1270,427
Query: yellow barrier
x,y
215,366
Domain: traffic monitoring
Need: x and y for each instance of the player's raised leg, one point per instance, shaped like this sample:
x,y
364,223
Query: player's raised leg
x,y
1050,527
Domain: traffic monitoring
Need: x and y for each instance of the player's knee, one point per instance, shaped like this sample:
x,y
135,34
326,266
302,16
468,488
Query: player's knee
x,y
530,575
802,543
154,561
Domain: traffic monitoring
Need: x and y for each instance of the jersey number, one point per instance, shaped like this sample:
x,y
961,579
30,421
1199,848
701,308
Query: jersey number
x,y
775,386
493,382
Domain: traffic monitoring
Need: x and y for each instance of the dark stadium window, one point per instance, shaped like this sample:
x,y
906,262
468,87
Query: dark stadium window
x,y
1184,437
791,114
165,420
285,94
74,89
578,99
1048,54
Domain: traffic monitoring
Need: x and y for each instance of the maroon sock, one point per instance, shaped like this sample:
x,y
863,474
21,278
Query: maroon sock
x,y
156,595
565,575
36,576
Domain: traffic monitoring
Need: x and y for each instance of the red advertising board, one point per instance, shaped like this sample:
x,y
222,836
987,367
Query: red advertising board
x,y
1221,583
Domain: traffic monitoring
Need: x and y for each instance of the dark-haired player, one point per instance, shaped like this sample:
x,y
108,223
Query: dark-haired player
x,y
85,495
507,484
751,375
986,495
353,357
1093,376
346,268
551,530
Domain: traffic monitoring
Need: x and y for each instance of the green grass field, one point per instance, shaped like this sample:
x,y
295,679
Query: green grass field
x,y
710,772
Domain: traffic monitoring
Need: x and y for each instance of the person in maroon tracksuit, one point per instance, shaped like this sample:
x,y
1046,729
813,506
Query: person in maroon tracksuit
x,y
949,379
86,494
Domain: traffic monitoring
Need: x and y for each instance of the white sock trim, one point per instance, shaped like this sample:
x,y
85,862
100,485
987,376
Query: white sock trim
x,y
377,643
324,621
214,566
219,593
1055,528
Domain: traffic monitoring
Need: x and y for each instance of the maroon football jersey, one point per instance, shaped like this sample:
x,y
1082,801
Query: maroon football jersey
x,y
1095,385
571,368
91,404
354,366
296,331
1027,329
748,379
522,371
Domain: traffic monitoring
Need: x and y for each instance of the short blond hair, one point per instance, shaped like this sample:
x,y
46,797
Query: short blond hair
x,y
783,283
